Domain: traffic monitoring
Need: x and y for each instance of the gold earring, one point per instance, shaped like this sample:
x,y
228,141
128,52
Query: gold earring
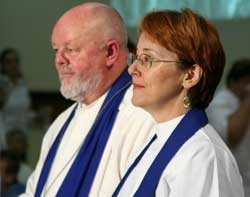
x,y
186,102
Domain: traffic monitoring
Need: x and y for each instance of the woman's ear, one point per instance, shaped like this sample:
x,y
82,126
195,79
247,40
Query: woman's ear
x,y
113,49
192,76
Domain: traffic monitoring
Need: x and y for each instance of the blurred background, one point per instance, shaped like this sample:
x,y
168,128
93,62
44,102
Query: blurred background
x,y
26,26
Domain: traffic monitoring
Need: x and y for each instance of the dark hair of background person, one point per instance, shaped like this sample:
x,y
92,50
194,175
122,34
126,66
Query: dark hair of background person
x,y
13,162
4,61
196,41
239,70
17,144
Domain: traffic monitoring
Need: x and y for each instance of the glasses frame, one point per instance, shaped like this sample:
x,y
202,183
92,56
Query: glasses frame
x,y
148,64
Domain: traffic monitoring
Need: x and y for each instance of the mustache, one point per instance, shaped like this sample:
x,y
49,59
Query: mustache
x,y
65,68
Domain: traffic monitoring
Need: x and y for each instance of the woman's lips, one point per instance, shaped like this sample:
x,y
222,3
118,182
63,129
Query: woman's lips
x,y
137,86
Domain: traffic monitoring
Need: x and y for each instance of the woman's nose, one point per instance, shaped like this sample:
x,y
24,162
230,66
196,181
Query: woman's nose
x,y
133,69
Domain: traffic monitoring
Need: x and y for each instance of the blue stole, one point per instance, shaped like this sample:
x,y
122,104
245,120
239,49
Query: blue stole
x,y
81,174
188,126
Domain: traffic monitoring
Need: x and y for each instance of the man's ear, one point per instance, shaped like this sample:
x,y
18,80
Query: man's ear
x,y
192,76
113,49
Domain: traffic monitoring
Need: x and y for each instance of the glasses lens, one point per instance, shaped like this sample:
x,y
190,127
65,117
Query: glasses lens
x,y
145,61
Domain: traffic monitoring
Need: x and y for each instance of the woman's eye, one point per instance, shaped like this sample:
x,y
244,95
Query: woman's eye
x,y
146,59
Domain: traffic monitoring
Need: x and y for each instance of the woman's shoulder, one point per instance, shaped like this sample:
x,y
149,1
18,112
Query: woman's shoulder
x,y
208,142
204,148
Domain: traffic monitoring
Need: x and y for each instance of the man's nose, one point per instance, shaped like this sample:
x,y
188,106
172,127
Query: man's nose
x,y
61,58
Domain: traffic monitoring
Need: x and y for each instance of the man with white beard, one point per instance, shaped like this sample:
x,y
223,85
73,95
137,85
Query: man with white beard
x,y
85,150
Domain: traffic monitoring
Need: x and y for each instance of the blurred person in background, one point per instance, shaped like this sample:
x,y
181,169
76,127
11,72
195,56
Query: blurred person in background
x,y
16,110
9,167
17,145
4,87
229,113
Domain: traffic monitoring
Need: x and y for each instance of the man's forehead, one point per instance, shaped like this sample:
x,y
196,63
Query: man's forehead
x,y
72,34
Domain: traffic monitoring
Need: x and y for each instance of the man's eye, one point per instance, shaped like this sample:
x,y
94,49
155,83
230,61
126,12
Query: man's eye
x,y
69,50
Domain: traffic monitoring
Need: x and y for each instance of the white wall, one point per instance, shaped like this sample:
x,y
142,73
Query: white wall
x,y
27,25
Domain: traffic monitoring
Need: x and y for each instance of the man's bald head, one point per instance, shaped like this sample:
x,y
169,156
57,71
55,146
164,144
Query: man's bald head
x,y
96,19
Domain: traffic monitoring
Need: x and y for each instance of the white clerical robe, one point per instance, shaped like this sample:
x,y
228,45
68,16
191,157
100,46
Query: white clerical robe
x,y
203,167
132,127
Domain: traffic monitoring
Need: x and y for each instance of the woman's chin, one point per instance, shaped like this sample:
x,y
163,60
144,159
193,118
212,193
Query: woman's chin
x,y
138,102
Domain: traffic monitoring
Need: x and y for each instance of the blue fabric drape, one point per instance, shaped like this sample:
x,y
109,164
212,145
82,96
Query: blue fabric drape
x,y
188,126
79,179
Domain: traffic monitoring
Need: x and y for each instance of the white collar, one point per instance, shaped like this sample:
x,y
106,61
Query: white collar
x,y
164,129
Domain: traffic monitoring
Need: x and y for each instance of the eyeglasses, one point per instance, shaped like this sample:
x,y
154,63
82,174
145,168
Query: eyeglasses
x,y
145,61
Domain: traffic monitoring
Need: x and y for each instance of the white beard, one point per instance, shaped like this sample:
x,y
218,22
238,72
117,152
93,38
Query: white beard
x,y
77,88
